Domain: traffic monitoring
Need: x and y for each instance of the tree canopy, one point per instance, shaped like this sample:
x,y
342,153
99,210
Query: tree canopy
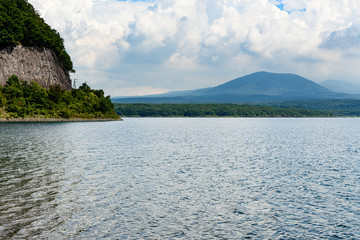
x,y
19,99
21,24
210,110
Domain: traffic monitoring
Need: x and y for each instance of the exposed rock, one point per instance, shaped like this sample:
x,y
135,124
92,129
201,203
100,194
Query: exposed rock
x,y
32,64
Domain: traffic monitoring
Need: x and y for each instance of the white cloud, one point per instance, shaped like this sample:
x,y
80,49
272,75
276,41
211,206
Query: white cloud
x,y
177,44
138,91
293,5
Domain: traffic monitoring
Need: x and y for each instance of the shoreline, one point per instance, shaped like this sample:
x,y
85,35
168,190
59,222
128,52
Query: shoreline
x,y
22,120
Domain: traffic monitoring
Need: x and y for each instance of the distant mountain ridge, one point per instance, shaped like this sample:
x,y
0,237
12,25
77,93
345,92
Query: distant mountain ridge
x,y
341,86
255,87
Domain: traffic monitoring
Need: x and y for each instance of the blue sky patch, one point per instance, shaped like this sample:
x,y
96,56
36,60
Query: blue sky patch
x,y
280,6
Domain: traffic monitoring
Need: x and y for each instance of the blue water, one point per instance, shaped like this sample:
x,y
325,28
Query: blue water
x,y
181,178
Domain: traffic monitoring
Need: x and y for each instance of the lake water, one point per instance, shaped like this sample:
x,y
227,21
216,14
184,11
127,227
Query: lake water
x,y
179,178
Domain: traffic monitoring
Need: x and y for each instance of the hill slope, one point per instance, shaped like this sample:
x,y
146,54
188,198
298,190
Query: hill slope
x,y
271,84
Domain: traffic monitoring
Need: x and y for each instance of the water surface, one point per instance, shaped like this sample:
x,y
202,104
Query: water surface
x,y
181,178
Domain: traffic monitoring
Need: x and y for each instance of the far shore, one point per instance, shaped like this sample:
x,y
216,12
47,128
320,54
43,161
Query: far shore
x,y
58,120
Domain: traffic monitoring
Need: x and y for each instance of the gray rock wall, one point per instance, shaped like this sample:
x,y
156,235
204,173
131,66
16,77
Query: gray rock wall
x,y
32,64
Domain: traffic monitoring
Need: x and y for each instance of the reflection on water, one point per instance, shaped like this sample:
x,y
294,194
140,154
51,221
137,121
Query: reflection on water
x,y
181,178
31,175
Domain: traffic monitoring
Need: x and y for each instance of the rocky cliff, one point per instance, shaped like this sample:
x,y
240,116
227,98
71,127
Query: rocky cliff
x,y
32,64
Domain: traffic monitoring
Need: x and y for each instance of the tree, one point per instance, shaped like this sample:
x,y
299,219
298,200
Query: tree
x,y
22,99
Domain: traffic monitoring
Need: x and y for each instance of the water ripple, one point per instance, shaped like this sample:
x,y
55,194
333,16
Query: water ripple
x,y
181,179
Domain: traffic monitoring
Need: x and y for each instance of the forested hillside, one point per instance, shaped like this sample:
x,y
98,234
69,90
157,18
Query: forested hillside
x,y
21,24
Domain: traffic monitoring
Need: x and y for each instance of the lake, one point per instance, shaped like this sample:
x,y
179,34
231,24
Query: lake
x,y
181,178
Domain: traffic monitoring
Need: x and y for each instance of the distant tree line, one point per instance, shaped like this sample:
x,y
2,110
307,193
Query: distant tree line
x,y
211,110
19,99
21,24
337,107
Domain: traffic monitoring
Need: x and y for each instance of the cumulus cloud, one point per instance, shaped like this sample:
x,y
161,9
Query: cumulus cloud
x,y
348,38
164,45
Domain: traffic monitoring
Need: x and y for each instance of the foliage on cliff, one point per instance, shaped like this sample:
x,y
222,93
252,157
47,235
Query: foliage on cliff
x,y
19,99
21,24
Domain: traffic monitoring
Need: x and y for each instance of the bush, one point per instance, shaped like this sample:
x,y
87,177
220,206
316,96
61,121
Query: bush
x,y
64,113
31,100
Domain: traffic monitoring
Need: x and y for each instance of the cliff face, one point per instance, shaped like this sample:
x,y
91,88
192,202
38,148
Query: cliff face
x,y
32,64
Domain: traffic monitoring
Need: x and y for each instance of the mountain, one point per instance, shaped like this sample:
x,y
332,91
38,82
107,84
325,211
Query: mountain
x,y
256,87
270,84
341,86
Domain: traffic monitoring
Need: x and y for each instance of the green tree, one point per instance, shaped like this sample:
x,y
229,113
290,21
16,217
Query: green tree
x,y
55,93
22,99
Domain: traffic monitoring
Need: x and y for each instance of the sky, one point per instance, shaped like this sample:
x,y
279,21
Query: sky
x,y
133,48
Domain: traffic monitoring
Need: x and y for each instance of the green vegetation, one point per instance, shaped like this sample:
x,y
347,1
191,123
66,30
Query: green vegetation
x,y
19,99
337,107
21,24
210,110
